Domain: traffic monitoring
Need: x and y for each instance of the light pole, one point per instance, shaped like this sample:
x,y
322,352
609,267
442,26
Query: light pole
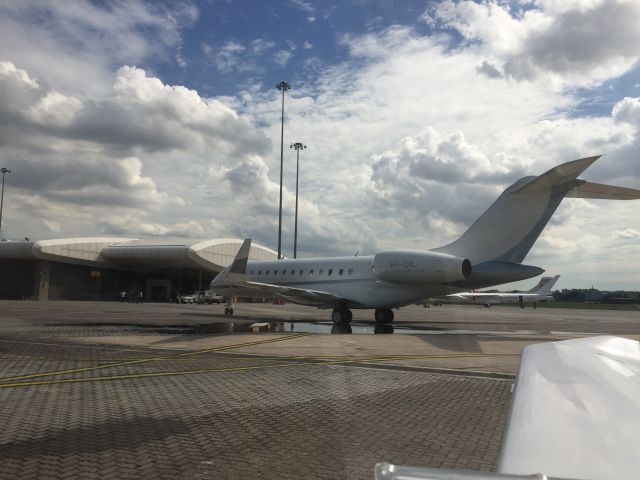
x,y
283,86
298,146
4,172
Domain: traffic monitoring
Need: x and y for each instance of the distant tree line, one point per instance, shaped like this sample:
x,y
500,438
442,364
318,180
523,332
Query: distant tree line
x,y
595,295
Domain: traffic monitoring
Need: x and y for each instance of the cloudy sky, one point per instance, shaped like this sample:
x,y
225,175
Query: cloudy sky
x,y
161,119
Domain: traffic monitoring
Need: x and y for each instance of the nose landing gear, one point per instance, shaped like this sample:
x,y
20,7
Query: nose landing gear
x,y
228,310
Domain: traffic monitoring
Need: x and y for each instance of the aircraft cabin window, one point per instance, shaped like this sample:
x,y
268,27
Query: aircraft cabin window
x,y
341,271
350,271
267,272
293,272
275,272
259,272
330,271
301,272
284,272
311,272
251,272
321,271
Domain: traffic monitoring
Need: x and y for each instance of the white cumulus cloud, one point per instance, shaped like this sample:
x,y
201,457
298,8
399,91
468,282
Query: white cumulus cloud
x,y
577,43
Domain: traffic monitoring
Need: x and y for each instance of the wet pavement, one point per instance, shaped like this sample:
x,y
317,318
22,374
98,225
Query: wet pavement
x,y
107,390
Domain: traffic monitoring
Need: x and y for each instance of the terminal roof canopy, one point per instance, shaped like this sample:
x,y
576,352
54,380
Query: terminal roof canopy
x,y
211,255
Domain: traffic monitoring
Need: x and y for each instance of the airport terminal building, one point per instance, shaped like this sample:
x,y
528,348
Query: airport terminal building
x,y
99,268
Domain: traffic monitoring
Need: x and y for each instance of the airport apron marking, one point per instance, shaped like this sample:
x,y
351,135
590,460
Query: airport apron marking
x,y
62,345
238,369
154,359
259,357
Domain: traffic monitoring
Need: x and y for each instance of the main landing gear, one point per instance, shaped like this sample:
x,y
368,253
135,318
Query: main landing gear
x,y
384,315
384,321
341,315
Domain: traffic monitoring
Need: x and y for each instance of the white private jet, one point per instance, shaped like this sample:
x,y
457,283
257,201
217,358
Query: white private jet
x,y
540,293
489,253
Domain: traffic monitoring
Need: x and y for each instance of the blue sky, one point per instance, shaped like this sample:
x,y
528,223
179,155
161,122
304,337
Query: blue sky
x,y
161,119
309,32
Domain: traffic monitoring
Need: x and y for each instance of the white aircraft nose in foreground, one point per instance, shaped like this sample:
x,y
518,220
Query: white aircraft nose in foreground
x,y
489,253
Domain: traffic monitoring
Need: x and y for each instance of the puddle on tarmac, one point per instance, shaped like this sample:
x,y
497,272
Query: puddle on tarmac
x,y
362,328
295,327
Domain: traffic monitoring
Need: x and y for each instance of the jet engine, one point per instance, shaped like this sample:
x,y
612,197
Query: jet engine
x,y
410,266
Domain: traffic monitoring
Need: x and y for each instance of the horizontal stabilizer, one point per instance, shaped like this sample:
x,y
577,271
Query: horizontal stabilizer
x,y
600,190
556,176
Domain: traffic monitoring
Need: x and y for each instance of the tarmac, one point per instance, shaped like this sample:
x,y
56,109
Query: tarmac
x,y
118,390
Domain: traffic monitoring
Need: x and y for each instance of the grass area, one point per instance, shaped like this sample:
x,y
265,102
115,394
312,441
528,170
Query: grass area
x,y
590,306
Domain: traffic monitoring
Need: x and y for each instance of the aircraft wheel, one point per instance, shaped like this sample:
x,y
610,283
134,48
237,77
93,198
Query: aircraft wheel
x,y
348,315
226,311
230,311
388,316
384,315
337,317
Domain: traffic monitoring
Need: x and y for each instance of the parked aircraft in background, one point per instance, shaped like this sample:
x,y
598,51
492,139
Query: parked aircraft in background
x,y
540,293
489,253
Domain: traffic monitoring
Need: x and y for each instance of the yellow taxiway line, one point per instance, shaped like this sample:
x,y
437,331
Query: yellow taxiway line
x,y
237,369
153,359
266,357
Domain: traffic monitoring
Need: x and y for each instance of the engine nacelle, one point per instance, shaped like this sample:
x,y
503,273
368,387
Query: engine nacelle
x,y
411,266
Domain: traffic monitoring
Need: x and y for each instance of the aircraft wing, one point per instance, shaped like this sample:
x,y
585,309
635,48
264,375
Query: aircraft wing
x,y
575,413
293,294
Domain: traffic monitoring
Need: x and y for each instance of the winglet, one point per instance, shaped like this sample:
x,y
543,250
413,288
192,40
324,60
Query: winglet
x,y
239,264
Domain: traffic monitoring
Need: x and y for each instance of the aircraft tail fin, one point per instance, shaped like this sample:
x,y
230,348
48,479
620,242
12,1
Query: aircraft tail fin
x,y
507,230
545,285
